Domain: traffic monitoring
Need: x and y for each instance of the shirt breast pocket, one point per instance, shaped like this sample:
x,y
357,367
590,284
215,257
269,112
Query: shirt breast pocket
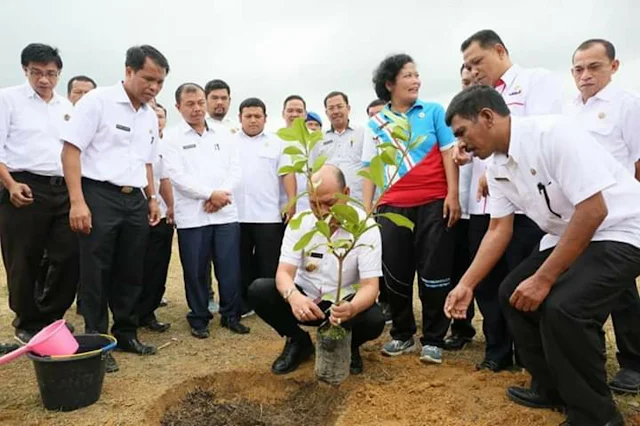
x,y
554,204
515,103
269,156
602,124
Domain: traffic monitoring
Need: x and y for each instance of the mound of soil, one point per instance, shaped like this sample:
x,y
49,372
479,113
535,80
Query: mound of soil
x,y
312,403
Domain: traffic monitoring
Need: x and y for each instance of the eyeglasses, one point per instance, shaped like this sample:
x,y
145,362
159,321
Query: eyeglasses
x,y
50,75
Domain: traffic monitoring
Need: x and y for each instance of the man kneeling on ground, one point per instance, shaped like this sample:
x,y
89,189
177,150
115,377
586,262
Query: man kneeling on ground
x,y
304,279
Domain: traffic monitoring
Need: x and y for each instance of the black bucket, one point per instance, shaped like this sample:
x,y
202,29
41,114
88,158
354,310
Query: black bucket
x,y
70,382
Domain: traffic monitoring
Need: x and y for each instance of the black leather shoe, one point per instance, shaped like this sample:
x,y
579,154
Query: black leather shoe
x,y
495,366
626,381
155,325
455,342
133,345
617,420
293,354
23,336
356,365
200,333
5,348
532,399
110,364
234,325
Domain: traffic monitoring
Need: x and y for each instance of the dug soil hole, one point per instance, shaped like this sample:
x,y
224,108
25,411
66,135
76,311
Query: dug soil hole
x,y
247,399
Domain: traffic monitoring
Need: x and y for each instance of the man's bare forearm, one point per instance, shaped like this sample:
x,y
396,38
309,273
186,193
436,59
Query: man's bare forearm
x,y
366,295
492,247
150,188
72,170
586,219
5,176
290,185
166,192
368,190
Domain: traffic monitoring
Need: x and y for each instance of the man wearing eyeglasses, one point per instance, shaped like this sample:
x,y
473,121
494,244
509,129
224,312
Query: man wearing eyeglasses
x,y
34,204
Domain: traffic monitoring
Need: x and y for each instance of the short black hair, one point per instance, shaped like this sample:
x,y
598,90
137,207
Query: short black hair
x,y
387,72
137,55
334,94
216,85
375,103
609,48
294,98
187,88
253,103
162,108
468,103
40,54
79,78
485,38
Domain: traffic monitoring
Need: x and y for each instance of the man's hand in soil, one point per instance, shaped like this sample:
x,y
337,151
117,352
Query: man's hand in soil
x,y
458,301
342,313
304,308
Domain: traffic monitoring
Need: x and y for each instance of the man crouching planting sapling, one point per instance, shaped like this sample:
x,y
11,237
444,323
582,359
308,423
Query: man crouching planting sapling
x,y
329,264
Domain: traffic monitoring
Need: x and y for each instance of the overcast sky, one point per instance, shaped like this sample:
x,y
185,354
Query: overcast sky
x,y
273,48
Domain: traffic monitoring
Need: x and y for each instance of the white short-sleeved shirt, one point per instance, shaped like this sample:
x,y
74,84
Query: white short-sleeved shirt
x,y
317,272
30,130
527,92
345,151
258,193
554,164
197,166
612,116
116,140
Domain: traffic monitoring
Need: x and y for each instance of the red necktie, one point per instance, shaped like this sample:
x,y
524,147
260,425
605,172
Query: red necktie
x,y
500,86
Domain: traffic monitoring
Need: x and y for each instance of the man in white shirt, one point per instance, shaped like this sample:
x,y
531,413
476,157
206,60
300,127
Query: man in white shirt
x,y
295,107
218,95
259,193
375,107
558,299
305,280
612,116
113,198
158,253
462,330
34,203
204,167
79,86
526,91
342,144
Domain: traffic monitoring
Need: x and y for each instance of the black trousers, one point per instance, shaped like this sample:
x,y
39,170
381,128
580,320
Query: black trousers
x,y
156,267
461,262
526,236
626,324
112,258
562,344
427,250
25,234
259,253
271,307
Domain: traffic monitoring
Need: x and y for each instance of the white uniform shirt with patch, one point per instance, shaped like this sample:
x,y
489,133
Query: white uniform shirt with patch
x,y
258,193
345,151
30,130
527,92
116,140
612,116
317,272
197,166
554,164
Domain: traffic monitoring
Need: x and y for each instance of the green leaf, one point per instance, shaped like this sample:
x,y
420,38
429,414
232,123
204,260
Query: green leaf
x,y
284,170
416,143
288,134
349,199
386,145
376,169
300,127
293,150
299,165
323,228
400,134
345,213
398,219
319,163
389,155
304,240
297,220
365,174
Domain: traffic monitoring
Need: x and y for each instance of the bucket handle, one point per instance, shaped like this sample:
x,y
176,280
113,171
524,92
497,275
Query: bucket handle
x,y
109,347
15,354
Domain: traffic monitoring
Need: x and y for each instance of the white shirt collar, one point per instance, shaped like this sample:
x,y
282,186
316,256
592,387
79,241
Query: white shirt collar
x,y
515,139
510,75
606,94
31,93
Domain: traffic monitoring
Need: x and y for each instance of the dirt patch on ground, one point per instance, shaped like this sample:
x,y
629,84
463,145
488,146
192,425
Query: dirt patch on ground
x,y
234,369
222,403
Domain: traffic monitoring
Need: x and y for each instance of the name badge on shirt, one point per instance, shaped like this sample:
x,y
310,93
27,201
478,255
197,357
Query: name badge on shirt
x,y
193,145
316,255
327,142
123,128
501,179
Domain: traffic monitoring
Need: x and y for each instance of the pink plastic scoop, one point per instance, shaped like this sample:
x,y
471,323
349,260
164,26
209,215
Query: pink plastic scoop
x,y
54,339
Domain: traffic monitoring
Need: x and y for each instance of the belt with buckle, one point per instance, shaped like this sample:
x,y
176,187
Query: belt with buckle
x,y
47,180
122,189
